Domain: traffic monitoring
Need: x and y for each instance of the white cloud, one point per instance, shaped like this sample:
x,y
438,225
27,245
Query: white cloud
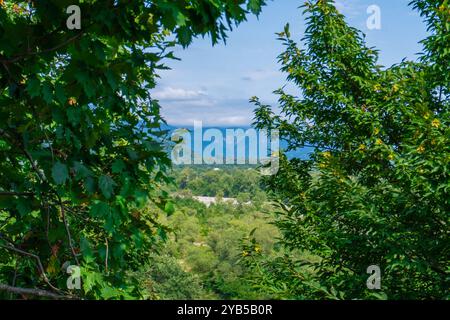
x,y
223,113
349,7
178,94
234,121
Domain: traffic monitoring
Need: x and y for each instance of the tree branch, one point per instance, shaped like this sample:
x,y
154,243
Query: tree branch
x,y
38,260
16,140
24,55
34,292
24,194
69,237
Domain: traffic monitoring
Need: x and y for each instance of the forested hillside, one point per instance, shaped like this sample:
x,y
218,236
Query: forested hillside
x,y
202,258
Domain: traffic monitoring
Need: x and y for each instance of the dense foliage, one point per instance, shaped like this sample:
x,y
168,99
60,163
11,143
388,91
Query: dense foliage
x,y
240,182
204,246
81,150
84,167
376,190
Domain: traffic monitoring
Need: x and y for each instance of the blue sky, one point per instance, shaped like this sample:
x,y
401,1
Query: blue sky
x,y
214,84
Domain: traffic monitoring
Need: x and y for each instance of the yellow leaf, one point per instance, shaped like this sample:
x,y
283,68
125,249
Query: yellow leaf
x,y
52,265
72,101
436,123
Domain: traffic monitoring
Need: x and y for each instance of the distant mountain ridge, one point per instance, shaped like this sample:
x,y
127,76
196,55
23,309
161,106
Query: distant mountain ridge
x,y
302,153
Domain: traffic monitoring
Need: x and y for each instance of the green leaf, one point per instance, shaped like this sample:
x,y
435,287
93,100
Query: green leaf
x,y
60,173
118,166
108,292
47,93
181,19
86,250
287,31
60,94
106,185
81,171
109,223
33,87
121,202
90,185
162,234
91,279
100,210
74,115
255,6
23,206
111,79
169,208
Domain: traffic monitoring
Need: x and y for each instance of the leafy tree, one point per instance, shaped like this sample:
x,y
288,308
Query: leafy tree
x,y
230,181
376,189
80,136
205,241
164,279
